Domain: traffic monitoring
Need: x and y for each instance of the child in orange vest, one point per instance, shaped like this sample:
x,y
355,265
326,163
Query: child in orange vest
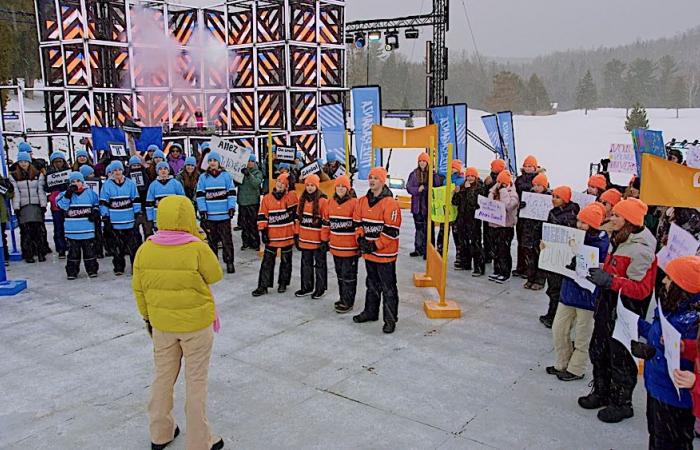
x,y
309,227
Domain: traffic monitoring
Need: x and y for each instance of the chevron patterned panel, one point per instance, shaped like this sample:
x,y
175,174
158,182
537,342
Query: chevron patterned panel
x,y
80,110
186,71
270,24
331,24
152,107
156,18
241,68
332,97
146,73
49,20
240,28
271,111
303,23
57,107
184,107
216,110
307,143
111,18
76,65
71,20
303,111
271,67
182,25
331,68
53,65
242,111
215,24
304,66
115,59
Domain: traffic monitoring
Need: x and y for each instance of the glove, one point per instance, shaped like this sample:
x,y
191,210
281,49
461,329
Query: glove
x,y
323,246
642,350
231,212
600,278
245,171
203,216
572,264
366,246
264,237
72,189
296,242
149,328
523,205
94,215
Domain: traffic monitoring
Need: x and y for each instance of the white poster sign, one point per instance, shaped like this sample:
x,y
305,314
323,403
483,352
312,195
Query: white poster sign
x,y
582,199
233,157
561,246
626,326
537,206
309,169
285,153
692,156
680,243
672,346
622,159
340,171
118,149
57,178
491,211
137,178
94,185
587,257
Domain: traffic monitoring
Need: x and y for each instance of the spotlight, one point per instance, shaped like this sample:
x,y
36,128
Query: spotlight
x,y
374,36
412,33
391,41
360,40
349,39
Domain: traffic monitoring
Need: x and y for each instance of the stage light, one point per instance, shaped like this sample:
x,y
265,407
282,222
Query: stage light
x,y
360,40
349,39
374,36
412,33
391,41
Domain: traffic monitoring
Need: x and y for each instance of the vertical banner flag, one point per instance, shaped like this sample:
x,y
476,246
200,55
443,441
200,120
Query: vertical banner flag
x,y
505,126
332,120
491,125
366,111
444,118
106,138
647,141
461,120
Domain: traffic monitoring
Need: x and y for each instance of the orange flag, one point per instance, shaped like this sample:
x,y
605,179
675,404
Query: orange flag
x,y
388,137
665,183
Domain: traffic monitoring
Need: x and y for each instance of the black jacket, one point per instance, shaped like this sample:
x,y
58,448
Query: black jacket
x,y
524,183
466,201
532,230
564,215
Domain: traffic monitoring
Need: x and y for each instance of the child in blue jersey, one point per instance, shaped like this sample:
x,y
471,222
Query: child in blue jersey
x,y
119,206
81,206
160,188
216,203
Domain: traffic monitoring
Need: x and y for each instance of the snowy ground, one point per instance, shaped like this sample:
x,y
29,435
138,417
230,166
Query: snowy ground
x,y
290,373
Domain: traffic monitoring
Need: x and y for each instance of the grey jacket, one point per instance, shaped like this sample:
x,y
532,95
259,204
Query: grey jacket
x,y
29,192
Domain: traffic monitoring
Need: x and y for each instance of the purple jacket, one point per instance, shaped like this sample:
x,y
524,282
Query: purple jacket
x,y
176,165
419,200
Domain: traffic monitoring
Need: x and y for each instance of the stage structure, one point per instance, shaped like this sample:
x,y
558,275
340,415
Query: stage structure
x,y
245,68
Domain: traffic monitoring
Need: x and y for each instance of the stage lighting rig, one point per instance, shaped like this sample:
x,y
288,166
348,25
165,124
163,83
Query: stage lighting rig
x,y
391,40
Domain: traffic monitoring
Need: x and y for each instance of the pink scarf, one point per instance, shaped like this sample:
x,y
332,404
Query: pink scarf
x,y
170,237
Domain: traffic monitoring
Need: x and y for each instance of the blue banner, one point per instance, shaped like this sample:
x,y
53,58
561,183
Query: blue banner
x,y
444,118
461,121
103,136
366,111
505,126
647,141
150,135
332,120
491,125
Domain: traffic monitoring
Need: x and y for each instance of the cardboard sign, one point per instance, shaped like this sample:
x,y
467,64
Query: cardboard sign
x,y
309,169
561,246
626,326
118,149
537,206
491,211
680,243
57,178
692,156
339,172
233,157
582,199
672,346
3,190
94,185
285,153
137,178
622,159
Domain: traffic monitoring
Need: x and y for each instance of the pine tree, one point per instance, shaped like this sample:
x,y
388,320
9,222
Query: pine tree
x,y
536,97
678,95
640,82
586,93
637,118
506,93
613,83
667,77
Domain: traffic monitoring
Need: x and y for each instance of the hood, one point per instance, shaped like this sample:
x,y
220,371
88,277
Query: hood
x,y
176,213
386,192
644,238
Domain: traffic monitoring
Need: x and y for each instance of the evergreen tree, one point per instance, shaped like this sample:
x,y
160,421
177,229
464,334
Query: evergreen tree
x,y
536,98
637,118
678,95
667,77
586,93
506,93
640,82
613,83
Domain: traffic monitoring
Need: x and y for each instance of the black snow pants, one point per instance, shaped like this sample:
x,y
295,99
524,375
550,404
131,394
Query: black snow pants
x,y
248,221
86,249
381,283
346,272
124,242
314,271
267,267
220,231
501,240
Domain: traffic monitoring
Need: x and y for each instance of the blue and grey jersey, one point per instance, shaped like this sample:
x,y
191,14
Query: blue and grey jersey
x,y
216,195
78,210
120,202
158,190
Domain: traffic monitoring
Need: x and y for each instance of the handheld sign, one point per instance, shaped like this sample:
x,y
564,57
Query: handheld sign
x,y
137,178
94,185
117,149
233,157
672,346
57,178
626,326
680,243
309,169
491,211
339,172
622,159
582,199
692,156
537,206
285,153
561,245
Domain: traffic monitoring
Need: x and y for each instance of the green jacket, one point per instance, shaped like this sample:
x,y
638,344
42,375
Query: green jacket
x,y
249,190
5,183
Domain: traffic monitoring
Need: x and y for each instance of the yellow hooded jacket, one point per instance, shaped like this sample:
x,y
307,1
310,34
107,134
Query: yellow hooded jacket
x,y
171,282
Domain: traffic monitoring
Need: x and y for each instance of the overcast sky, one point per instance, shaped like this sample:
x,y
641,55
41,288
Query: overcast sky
x,y
527,28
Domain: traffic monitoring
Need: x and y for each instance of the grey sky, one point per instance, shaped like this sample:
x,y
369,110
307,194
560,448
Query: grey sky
x,y
527,28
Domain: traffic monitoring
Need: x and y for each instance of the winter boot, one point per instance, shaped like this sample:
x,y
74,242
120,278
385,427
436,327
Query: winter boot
x,y
389,327
362,318
230,268
259,291
282,288
414,254
615,413
597,398
162,446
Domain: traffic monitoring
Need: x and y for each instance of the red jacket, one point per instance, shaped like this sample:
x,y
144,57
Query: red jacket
x,y
380,222
690,351
633,266
341,232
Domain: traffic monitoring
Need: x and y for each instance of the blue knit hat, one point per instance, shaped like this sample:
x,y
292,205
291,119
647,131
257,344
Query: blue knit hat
x,y
252,157
321,161
162,165
57,155
24,147
81,152
115,165
24,156
205,146
76,176
152,148
191,161
176,146
285,165
332,157
214,155
159,154
134,161
86,170
300,155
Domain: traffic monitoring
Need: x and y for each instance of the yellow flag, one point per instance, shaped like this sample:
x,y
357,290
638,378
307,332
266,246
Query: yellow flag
x,y
388,137
665,183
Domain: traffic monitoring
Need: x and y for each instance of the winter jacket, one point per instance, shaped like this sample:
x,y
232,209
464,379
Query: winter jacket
x,y
509,196
523,183
564,215
690,352
142,181
572,294
56,182
7,191
176,165
81,210
342,236
171,283
531,234
457,180
157,191
312,231
216,195
28,191
633,266
419,200
466,201
276,217
249,189
120,203
380,222
189,184
656,380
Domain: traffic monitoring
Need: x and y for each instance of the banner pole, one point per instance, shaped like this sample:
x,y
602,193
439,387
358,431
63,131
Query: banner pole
x,y
446,225
347,153
429,234
269,161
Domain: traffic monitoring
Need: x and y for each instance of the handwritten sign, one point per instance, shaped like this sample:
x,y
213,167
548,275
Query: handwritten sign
x,y
622,159
310,169
339,172
626,326
57,178
491,211
582,199
94,185
137,178
672,346
680,243
561,246
537,206
233,157
117,149
692,156
285,153
587,257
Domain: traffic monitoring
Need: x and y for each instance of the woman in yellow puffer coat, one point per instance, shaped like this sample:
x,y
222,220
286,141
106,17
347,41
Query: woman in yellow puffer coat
x,y
172,273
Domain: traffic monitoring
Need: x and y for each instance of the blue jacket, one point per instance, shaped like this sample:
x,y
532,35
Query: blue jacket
x,y
456,180
158,190
78,210
120,203
216,195
656,379
572,294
